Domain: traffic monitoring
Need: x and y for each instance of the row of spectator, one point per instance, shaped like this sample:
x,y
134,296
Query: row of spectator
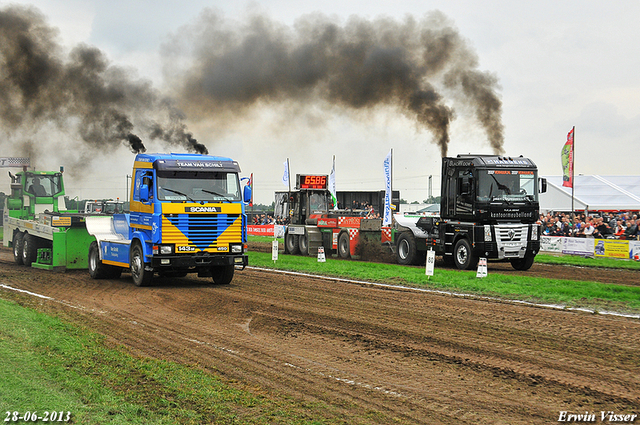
x,y
604,226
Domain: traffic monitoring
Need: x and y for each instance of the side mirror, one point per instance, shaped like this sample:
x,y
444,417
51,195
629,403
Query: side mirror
x,y
246,194
144,192
543,185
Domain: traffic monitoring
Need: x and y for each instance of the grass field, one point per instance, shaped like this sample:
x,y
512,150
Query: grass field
x,y
593,295
50,366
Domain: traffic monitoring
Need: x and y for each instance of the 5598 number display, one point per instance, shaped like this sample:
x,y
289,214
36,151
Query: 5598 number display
x,y
35,417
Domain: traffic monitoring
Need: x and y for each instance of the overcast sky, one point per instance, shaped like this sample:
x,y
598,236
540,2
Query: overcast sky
x,y
556,64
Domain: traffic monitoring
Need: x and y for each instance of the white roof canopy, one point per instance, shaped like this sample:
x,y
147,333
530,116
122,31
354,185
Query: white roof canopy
x,y
593,193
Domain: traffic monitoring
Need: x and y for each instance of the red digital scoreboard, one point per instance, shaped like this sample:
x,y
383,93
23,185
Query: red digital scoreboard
x,y
306,181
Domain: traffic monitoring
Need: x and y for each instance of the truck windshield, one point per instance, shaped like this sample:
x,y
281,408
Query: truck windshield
x,y
43,185
198,186
507,185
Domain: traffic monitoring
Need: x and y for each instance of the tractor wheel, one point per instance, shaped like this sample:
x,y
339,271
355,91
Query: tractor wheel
x,y
407,252
18,238
141,277
291,243
29,249
344,245
222,275
463,256
523,264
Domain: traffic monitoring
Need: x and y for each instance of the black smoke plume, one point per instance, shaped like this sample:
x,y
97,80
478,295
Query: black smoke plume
x,y
79,92
362,64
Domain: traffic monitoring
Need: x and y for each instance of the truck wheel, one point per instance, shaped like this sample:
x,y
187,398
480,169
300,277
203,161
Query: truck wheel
x,y
97,270
141,277
344,245
523,264
222,275
29,249
17,247
303,244
291,243
407,251
463,256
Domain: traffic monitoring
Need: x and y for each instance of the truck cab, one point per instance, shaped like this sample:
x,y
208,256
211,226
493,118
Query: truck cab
x,y
187,215
488,209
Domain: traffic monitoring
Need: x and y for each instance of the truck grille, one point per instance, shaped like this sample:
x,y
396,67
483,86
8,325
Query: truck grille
x,y
511,233
203,230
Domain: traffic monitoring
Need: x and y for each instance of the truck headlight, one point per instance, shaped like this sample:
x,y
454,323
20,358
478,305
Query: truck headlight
x,y
165,249
487,233
534,232
236,248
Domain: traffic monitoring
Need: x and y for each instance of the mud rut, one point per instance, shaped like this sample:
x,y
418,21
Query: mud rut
x,y
378,355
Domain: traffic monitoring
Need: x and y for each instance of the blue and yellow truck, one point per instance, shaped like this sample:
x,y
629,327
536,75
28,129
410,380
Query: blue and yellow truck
x,y
187,215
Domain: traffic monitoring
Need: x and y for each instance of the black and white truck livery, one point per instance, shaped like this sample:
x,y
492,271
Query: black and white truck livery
x,y
488,208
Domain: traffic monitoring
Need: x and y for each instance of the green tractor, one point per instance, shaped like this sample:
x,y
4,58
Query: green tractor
x,y
41,234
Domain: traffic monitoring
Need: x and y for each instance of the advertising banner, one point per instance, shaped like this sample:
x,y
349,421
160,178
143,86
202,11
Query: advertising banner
x,y
578,246
551,243
612,248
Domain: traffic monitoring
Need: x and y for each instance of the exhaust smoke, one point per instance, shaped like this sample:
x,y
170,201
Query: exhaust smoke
x,y
362,64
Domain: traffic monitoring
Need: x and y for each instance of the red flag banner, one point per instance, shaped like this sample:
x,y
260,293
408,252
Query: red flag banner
x,y
567,161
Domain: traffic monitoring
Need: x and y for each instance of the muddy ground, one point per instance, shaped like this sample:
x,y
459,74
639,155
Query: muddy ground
x,y
373,355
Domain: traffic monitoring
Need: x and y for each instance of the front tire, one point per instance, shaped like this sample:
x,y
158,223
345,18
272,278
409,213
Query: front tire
x,y
18,238
523,264
222,275
407,251
141,277
463,256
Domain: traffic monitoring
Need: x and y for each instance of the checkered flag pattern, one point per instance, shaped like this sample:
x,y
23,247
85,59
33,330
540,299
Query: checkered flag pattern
x,y
14,162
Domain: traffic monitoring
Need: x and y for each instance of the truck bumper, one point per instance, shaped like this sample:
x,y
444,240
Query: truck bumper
x,y
198,261
492,251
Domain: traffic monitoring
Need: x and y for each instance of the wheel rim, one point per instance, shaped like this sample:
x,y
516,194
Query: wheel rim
x,y
344,246
403,249
136,265
92,261
303,243
16,250
25,247
462,254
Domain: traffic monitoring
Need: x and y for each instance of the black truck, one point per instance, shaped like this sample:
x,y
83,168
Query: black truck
x,y
488,209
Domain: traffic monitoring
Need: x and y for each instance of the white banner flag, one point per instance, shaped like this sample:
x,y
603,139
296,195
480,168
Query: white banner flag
x,y
285,176
386,221
332,184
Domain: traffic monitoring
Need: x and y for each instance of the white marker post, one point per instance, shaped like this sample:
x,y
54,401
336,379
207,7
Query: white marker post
x,y
431,261
482,268
274,250
321,257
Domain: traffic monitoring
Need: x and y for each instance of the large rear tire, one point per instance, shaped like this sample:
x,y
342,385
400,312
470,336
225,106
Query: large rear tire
x,y
463,256
141,277
18,237
29,249
407,251
523,264
222,275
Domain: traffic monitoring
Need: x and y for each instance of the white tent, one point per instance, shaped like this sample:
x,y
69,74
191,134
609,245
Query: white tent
x,y
593,193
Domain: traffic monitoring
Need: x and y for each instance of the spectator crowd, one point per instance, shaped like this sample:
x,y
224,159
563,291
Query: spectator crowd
x,y
623,225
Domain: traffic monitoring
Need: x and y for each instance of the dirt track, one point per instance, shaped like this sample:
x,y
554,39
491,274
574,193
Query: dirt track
x,y
384,355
